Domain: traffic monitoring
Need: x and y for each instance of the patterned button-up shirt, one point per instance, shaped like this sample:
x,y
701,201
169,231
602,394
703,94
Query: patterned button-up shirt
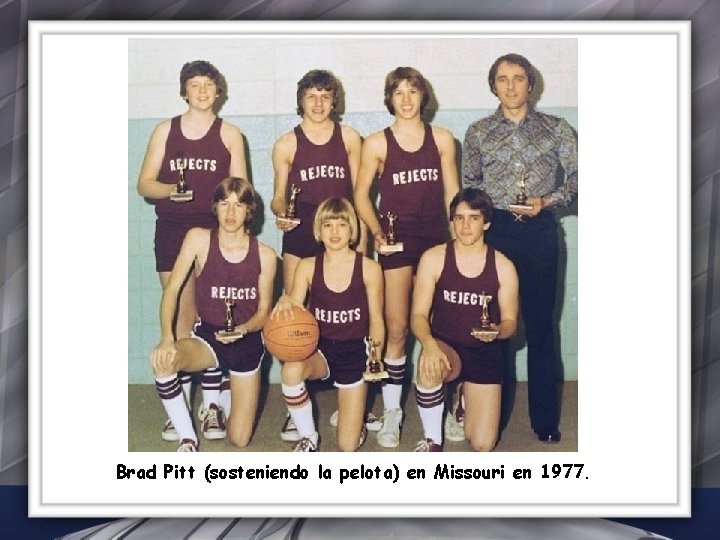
x,y
497,151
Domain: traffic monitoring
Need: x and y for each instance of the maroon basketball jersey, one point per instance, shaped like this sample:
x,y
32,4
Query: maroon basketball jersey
x,y
342,315
321,171
457,306
207,163
411,187
221,279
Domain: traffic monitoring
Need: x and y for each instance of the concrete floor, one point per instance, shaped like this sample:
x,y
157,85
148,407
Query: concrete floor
x,y
146,418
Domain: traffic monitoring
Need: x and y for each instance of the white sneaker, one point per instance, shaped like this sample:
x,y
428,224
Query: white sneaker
x,y
307,444
372,422
428,445
188,445
454,430
289,432
389,434
168,432
213,425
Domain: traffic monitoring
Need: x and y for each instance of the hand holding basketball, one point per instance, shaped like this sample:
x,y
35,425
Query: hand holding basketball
x,y
291,339
284,307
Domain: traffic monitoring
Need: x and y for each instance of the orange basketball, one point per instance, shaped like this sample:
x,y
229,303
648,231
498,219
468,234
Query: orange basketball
x,y
292,340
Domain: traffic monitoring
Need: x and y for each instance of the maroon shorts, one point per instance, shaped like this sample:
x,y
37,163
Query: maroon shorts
x,y
168,240
301,240
481,364
169,237
243,356
346,360
413,248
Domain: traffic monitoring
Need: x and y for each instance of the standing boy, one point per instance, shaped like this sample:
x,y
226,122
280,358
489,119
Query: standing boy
x,y
414,164
205,149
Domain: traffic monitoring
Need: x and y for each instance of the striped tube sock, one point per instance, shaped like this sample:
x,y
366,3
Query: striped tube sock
x,y
300,409
392,387
431,404
211,379
225,401
171,395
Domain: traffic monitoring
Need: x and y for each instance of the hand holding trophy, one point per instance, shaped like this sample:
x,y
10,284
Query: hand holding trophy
x,y
374,369
290,214
487,331
392,245
231,332
521,205
181,193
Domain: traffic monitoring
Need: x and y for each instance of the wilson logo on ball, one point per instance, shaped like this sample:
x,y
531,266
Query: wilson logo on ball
x,y
292,340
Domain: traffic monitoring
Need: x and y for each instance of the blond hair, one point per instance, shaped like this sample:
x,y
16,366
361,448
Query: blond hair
x,y
336,208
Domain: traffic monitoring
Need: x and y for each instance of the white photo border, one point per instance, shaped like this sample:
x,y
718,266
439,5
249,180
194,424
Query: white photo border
x,y
634,130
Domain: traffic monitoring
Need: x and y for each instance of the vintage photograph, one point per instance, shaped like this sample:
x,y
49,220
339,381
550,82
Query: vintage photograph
x,y
360,241
352,244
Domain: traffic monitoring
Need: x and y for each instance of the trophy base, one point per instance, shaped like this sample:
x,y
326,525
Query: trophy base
x,y
478,333
391,248
182,197
369,376
231,334
519,207
293,220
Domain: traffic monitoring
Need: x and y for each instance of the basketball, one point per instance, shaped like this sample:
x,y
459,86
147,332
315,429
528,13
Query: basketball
x,y
292,340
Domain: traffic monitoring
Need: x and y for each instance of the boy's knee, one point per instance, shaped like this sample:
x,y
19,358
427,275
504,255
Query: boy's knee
x,y
397,332
425,381
239,440
292,373
483,444
348,444
162,373
343,446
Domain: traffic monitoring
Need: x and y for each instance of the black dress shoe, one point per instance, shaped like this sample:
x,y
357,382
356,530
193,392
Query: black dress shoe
x,y
549,436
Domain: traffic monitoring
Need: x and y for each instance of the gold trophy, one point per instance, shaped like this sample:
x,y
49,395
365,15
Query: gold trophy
x,y
374,369
290,216
230,330
181,192
521,198
486,329
392,246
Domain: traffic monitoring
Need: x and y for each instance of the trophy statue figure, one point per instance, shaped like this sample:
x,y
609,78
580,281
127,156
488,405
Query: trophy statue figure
x,y
290,214
487,330
181,193
521,198
392,246
230,330
374,369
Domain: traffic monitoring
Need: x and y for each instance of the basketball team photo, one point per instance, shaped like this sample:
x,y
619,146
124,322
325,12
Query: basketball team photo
x,y
352,245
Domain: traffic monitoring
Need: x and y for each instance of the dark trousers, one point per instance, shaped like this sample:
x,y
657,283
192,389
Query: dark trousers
x,y
532,246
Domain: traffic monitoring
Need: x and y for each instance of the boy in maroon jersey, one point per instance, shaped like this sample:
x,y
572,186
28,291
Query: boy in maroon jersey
x,y
453,282
345,296
207,149
320,158
414,164
233,271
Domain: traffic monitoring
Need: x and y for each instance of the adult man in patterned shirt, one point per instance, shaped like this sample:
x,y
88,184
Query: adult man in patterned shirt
x,y
515,145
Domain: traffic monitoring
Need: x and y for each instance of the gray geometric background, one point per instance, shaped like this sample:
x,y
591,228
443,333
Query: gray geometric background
x,y
705,17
